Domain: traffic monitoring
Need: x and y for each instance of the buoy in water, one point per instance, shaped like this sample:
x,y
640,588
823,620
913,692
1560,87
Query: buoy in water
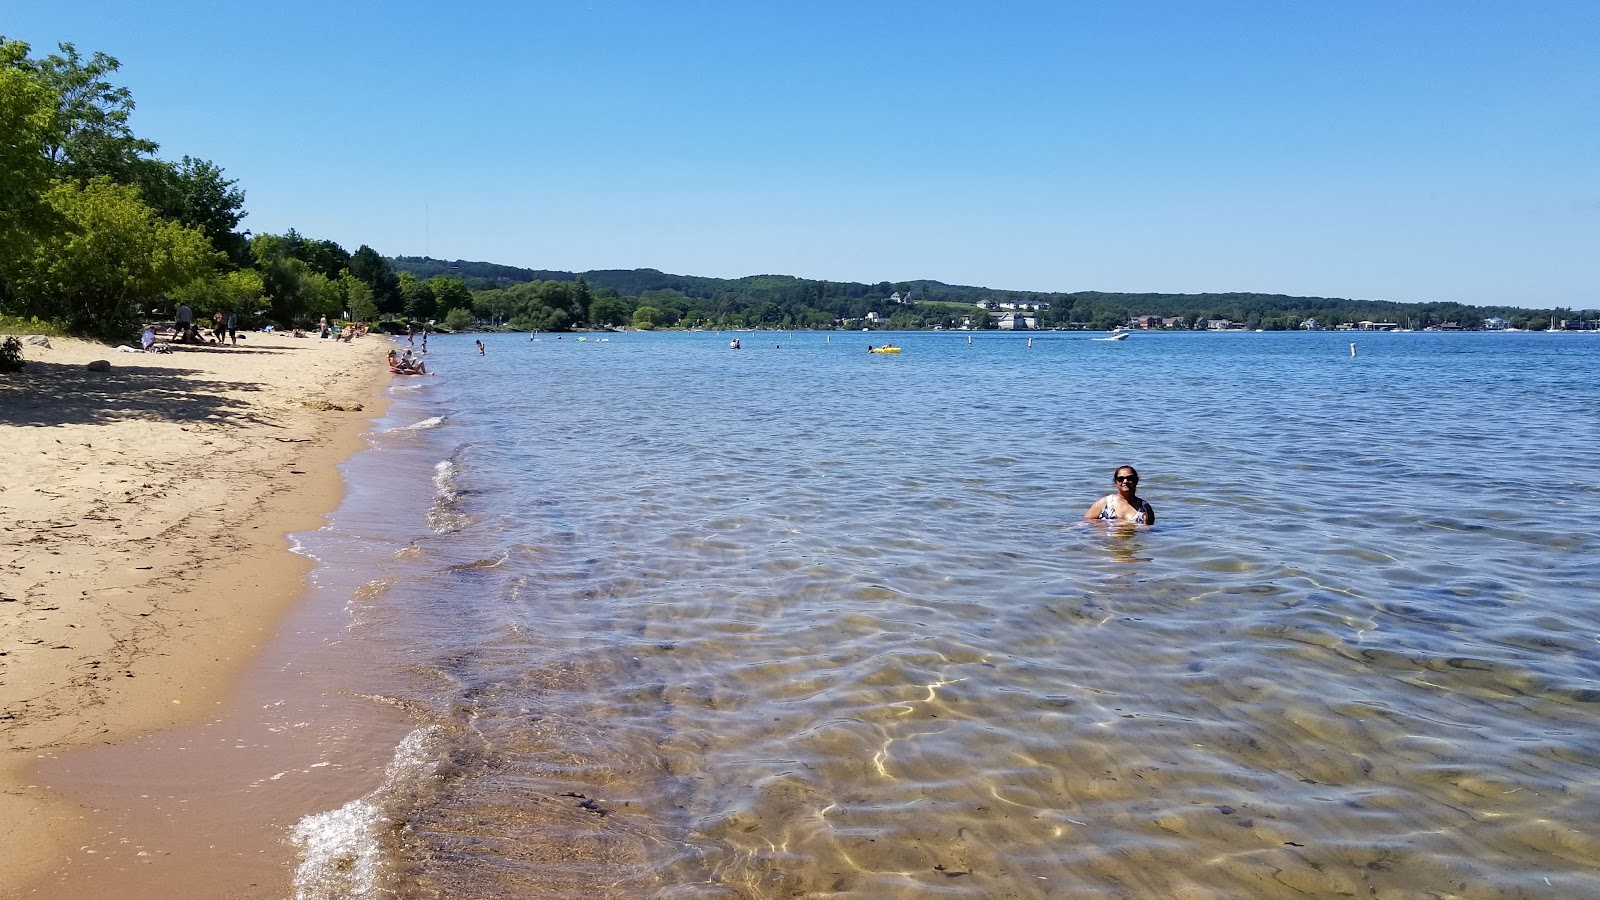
x,y
1352,350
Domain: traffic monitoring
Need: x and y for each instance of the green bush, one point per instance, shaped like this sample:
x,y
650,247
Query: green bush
x,y
11,355
30,325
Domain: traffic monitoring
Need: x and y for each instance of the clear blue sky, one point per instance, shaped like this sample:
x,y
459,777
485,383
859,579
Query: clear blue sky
x,y
1410,151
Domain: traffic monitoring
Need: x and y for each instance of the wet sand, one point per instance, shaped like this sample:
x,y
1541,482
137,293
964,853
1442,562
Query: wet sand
x,y
143,549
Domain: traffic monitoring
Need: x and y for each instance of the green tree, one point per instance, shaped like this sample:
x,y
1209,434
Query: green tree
x,y
646,317
449,292
195,193
608,311
241,290
292,289
458,319
356,297
368,266
27,109
89,135
115,255
418,297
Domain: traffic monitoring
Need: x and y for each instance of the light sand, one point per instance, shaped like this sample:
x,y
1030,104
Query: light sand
x,y
143,550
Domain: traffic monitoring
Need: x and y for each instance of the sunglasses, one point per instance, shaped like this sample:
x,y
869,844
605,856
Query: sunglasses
x,y
1132,478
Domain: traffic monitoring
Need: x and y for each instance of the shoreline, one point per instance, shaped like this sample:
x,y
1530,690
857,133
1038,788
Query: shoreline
x,y
144,552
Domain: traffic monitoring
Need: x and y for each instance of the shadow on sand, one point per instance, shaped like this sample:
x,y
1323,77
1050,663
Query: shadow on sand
x,y
47,394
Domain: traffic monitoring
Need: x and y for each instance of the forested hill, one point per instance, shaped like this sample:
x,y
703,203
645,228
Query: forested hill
x,y
788,301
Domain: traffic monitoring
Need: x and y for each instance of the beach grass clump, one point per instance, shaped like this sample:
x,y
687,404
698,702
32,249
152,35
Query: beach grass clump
x,y
30,325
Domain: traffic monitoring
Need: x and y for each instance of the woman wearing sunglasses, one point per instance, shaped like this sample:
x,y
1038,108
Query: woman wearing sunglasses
x,y
1125,505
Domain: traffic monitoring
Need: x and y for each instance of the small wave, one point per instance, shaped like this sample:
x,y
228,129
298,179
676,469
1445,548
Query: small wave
x,y
424,425
341,851
444,480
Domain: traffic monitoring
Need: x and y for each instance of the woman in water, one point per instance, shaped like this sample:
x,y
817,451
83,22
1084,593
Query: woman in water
x,y
1125,505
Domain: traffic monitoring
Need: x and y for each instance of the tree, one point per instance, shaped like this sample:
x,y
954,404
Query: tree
x,y
645,317
449,292
417,296
194,193
89,134
356,298
580,295
368,266
608,311
241,290
295,293
115,254
27,108
458,319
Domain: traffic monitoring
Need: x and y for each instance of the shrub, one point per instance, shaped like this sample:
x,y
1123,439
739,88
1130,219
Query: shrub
x,y
11,355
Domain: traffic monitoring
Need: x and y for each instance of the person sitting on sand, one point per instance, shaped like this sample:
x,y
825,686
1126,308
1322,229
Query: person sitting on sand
x,y
394,359
1125,505
410,364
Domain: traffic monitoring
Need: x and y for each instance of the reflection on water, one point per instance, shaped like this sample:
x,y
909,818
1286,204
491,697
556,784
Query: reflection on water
x,y
682,622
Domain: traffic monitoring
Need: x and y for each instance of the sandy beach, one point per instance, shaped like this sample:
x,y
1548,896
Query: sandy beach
x,y
143,549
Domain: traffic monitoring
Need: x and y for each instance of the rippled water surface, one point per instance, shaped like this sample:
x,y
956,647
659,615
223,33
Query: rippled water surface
x,y
680,621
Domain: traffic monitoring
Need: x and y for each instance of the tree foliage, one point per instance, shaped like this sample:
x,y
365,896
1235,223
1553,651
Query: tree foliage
x,y
114,254
458,319
27,113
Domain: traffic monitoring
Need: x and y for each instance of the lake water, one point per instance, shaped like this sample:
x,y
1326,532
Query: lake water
x,y
672,620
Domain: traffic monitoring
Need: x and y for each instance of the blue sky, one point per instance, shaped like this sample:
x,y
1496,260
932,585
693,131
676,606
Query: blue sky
x,y
1412,151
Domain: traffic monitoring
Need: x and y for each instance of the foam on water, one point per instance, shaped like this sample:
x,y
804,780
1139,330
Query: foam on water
x,y
424,425
342,851
444,475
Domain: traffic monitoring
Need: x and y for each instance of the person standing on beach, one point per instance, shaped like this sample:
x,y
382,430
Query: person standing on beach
x,y
230,324
185,321
1125,506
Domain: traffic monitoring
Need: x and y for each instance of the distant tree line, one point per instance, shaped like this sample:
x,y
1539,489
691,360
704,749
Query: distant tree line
x,y
546,299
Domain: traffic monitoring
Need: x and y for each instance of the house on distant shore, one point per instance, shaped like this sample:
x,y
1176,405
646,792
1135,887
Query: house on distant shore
x,y
1013,321
1495,323
1313,325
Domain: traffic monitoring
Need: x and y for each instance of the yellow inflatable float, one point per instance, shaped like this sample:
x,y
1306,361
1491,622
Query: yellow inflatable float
x,y
884,349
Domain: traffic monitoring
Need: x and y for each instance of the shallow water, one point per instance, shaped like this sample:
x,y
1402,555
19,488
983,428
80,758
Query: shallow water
x,y
674,620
